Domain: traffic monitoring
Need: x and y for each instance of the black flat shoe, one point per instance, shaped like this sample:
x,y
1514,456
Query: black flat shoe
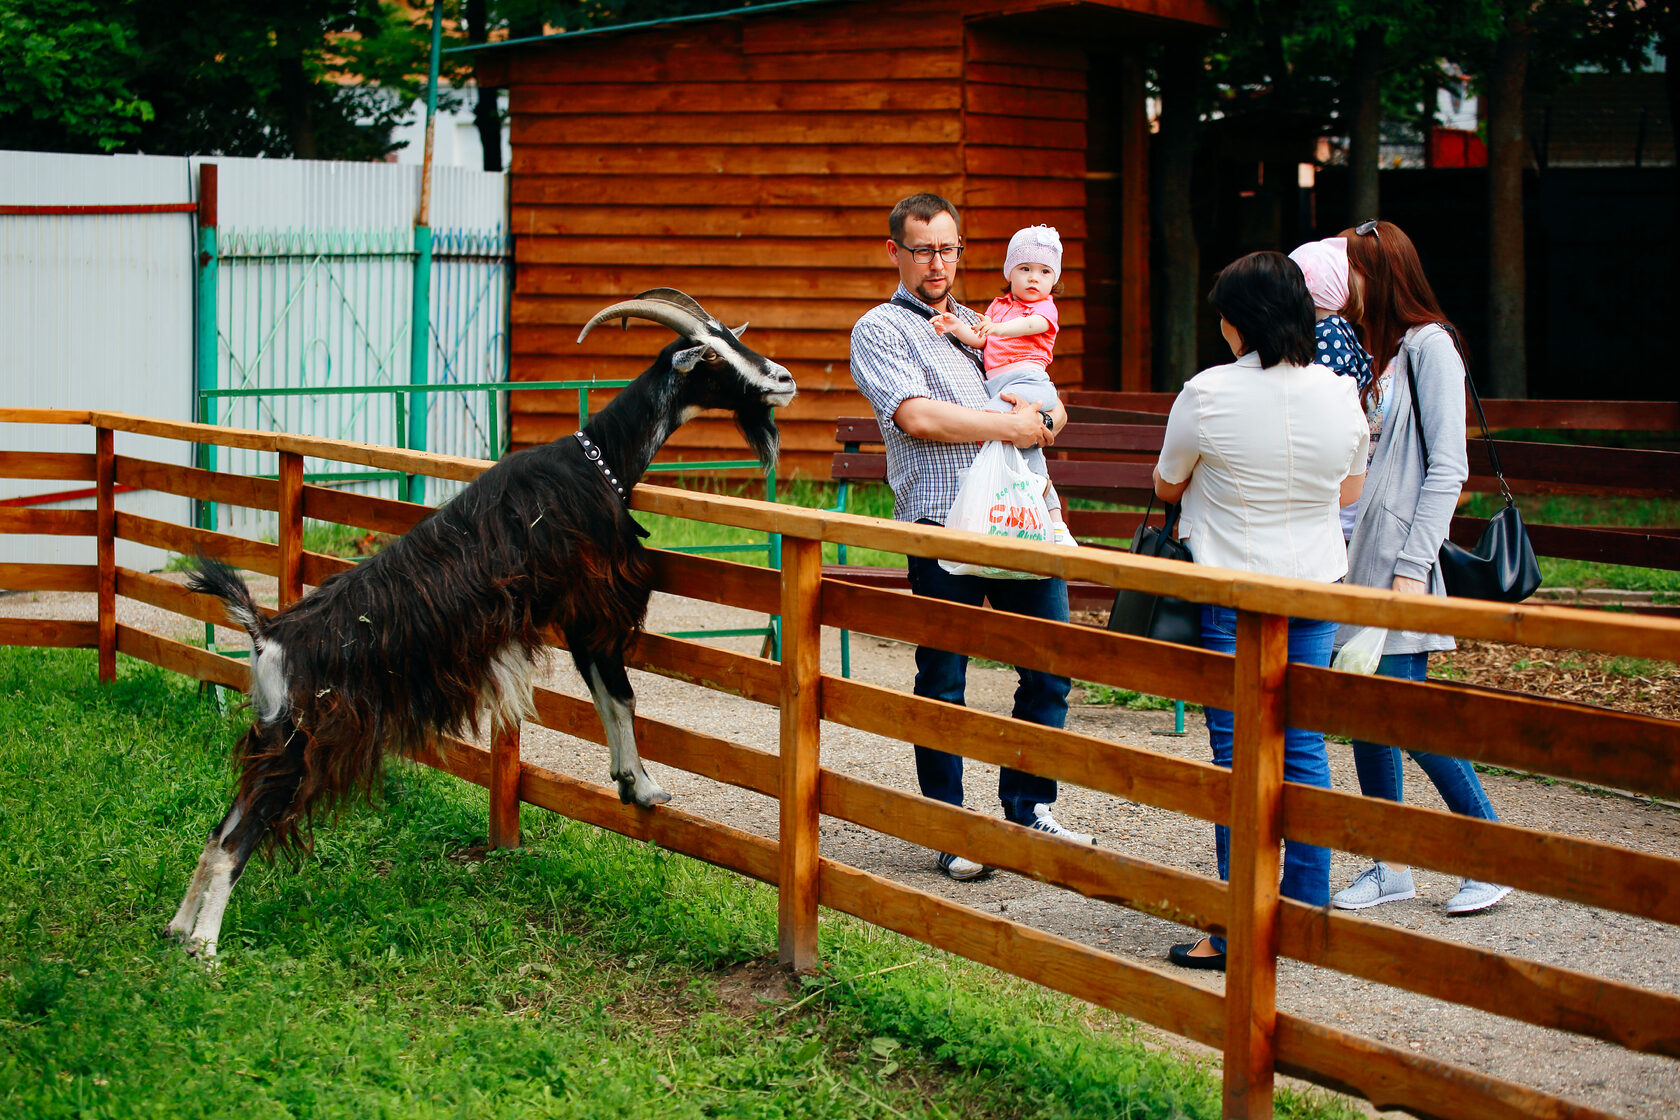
x,y
1180,955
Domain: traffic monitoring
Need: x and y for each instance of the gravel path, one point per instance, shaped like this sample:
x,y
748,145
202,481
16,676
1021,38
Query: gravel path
x,y
1604,943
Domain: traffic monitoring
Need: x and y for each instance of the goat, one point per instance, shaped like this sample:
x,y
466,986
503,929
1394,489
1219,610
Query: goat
x,y
448,620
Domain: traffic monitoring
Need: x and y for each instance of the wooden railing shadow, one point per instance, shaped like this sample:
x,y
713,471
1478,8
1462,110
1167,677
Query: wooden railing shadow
x,y
1629,751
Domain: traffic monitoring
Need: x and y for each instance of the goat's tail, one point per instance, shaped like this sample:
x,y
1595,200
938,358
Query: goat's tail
x,y
212,577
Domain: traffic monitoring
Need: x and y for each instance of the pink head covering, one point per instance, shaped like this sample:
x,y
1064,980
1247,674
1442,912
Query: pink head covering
x,y
1325,265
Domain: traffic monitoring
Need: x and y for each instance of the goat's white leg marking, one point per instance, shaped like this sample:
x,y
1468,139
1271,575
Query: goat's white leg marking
x,y
182,923
618,721
507,687
208,930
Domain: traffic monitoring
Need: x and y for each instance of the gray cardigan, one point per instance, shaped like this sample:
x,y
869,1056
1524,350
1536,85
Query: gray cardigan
x,y
1405,512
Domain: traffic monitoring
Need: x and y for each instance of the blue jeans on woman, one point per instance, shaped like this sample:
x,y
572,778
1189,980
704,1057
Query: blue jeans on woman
x,y
1379,769
1040,697
1306,867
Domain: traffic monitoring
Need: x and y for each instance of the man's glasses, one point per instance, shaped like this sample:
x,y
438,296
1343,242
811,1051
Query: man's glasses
x,y
923,254
1369,227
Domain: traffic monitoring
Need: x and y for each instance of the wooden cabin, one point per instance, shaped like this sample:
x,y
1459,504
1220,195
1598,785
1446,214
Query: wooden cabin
x,y
750,158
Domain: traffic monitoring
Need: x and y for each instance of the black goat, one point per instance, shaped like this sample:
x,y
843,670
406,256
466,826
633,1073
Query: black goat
x,y
449,619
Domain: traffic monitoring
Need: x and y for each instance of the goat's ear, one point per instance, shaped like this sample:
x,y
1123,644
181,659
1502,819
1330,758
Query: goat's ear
x,y
685,360
738,331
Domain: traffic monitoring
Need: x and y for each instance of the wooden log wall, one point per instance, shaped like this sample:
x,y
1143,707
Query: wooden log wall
x,y
752,163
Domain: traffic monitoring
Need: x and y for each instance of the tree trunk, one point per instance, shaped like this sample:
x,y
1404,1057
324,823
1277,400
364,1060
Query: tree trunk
x,y
486,119
1364,125
1507,348
1181,68
296,98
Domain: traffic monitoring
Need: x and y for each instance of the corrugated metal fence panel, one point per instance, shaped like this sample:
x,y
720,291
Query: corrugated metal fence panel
x,y
314,194
316,288
95,310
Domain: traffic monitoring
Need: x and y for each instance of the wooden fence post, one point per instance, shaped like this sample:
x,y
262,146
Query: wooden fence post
x,y
291,527
796,925
504,787
105,522
1256,833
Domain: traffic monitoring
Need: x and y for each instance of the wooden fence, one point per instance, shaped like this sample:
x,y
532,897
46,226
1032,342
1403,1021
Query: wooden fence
x,y
1567,740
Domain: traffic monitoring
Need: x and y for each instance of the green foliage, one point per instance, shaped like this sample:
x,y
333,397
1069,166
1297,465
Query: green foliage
x,y
1108,695
66,77
323,79
399,972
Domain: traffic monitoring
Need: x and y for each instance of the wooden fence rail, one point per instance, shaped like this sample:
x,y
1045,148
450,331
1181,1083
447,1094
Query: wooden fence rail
x,y
1266,693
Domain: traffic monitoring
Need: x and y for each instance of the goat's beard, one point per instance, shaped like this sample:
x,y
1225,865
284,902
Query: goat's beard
x,y
758,425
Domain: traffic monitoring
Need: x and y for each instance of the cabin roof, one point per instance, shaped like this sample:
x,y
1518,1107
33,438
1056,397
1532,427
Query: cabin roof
x,y
1202,12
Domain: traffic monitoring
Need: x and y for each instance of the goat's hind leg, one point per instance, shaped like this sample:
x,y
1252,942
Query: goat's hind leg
x,y
181,925
609,687
271,779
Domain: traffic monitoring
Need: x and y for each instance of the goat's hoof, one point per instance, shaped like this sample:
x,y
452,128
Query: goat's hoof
x,y
649,798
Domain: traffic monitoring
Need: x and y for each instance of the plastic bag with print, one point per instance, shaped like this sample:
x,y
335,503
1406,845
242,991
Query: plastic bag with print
x,y
998,495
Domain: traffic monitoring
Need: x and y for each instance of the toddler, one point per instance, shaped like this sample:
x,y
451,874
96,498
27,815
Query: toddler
x,y
1016,339
1324,264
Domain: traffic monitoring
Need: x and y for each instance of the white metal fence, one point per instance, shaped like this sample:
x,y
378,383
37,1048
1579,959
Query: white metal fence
x,y
314,291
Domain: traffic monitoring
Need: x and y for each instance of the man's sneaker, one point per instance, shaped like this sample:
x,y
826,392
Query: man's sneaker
x,y
1044,822
960,869
1059,535
1376,885
1475,895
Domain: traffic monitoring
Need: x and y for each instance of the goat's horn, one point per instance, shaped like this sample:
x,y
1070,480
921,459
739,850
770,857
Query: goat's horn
x,y
664,312
681,299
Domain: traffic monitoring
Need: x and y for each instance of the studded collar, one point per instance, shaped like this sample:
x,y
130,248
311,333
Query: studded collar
x,y
593,454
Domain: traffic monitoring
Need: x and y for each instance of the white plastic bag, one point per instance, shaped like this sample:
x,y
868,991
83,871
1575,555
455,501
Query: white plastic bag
x,y
998,495
1362,653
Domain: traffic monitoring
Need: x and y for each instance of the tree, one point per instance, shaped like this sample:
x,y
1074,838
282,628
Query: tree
x,y
66,70
321,79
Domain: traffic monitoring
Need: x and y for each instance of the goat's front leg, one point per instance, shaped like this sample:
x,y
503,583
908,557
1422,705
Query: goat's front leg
x,y
609,687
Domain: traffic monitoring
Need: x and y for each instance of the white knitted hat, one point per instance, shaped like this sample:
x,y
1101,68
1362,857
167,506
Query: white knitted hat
x,y
1038,244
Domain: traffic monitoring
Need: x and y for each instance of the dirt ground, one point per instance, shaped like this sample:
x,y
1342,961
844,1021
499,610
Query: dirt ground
x,y
1604,943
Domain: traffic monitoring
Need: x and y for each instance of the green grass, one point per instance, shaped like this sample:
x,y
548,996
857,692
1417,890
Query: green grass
x,y
1109,695
1563,509
392,974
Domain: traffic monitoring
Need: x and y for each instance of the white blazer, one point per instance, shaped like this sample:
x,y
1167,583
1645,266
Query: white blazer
x,y
1266,451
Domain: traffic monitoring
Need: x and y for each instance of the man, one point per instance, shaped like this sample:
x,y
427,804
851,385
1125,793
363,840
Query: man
x,y
928,395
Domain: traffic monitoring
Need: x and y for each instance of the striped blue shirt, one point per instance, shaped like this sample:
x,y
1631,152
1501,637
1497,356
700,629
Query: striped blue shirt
x,y
896,356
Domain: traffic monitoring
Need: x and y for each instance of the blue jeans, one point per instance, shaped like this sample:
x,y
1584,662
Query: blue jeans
x,y
1039,697
1306,867
1379,768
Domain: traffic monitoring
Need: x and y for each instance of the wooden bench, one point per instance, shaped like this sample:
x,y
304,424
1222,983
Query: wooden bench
x,y
1109,454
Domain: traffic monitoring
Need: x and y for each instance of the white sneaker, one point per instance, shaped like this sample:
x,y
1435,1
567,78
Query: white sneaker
x,y
1059,535
1376,885
1475,895
1044,822
960,869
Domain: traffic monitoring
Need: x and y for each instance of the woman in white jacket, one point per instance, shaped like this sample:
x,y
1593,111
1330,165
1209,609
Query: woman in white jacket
x,y
1405,514
1263,453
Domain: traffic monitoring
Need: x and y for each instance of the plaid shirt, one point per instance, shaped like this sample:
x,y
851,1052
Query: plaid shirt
x,y
896,356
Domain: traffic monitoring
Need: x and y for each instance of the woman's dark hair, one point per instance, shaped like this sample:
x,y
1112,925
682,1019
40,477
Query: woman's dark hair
x,y
1397,294
1265,297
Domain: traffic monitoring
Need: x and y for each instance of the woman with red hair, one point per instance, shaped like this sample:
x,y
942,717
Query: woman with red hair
x,y
1416,412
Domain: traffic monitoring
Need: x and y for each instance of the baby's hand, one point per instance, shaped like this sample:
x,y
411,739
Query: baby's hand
x,y
944,323
984,330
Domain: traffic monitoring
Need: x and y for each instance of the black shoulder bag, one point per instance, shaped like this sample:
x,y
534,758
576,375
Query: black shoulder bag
x,y
1502,566
1146,615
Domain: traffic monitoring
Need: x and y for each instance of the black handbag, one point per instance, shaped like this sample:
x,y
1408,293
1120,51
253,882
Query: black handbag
x,y
1147,615
1502,566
